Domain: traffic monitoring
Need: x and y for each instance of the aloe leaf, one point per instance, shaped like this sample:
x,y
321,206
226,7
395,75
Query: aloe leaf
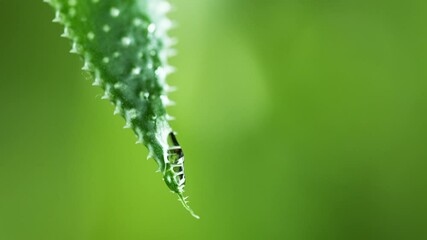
x,y
125,46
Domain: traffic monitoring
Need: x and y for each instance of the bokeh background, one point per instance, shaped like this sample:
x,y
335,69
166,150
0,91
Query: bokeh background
x,y
300,119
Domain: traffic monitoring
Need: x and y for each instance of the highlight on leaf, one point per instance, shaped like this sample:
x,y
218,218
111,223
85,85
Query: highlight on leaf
x,y
125,47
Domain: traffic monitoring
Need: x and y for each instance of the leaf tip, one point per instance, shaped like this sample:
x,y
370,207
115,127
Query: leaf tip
x,y
184,202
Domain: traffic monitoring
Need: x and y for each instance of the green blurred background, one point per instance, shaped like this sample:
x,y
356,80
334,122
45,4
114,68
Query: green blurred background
x,y
300,119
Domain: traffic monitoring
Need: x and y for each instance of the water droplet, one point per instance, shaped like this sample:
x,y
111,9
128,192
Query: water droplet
x,y
137,22
126,41
118,85
136,71
72,2
90,35
151,28
106,28
114,12
72,12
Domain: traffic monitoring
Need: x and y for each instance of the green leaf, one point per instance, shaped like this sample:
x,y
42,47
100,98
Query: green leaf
x,y
125,47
